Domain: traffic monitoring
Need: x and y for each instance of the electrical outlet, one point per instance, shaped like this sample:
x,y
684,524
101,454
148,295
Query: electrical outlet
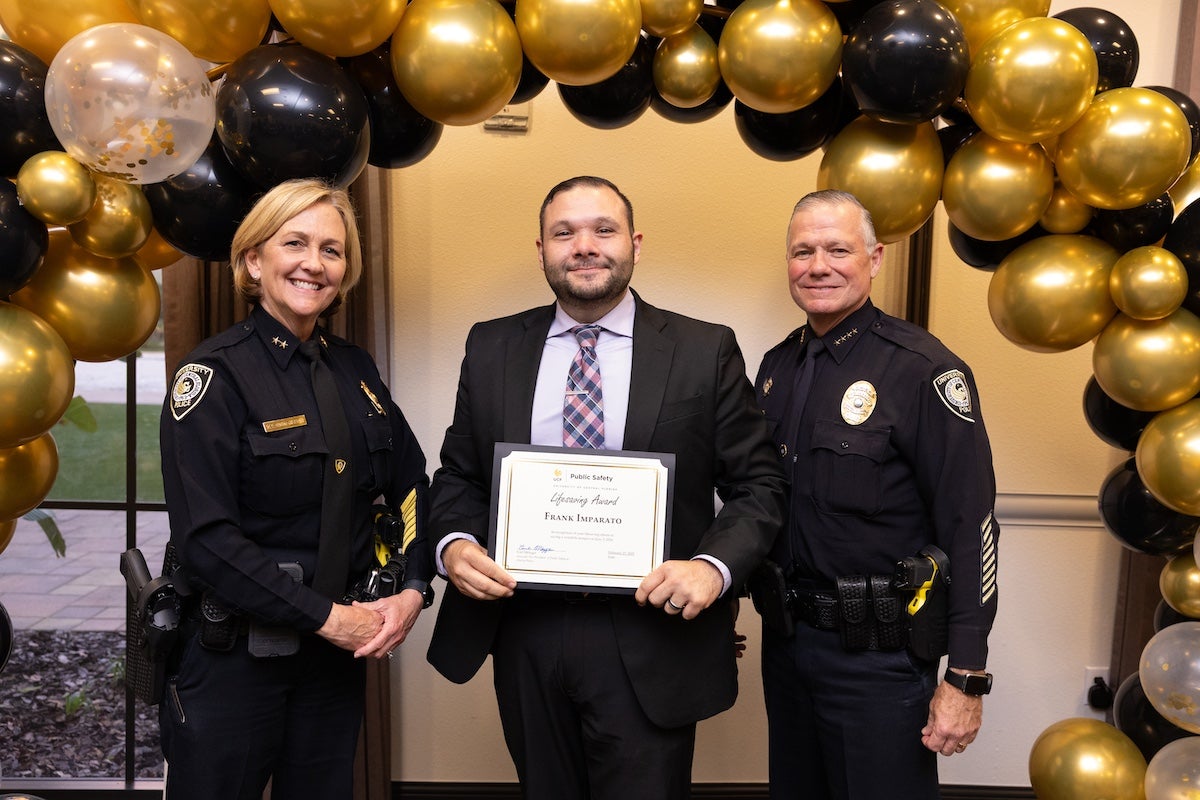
x,y
1091,673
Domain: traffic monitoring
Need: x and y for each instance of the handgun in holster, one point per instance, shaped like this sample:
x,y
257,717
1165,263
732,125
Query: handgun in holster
x,y
927,576
151,626
388,561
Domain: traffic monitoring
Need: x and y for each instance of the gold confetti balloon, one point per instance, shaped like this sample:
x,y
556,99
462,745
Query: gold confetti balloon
x,y
37,376
1130,146
780,55
1149,365
339,27
118,224
1170,674
1148,282
130,102
27,474
1174,771
44,26
214,30
103,308
1168,457
56,188
996,190
685,69
1080,758
1051,294
578,42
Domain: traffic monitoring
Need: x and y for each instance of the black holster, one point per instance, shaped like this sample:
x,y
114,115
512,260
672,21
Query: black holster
x,y
151,627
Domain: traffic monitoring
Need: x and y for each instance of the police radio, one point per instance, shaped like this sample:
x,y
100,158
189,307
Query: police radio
x,y
388,560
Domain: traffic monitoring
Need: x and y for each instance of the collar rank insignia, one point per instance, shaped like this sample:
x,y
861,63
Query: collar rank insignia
x,y
339,465
280,343
191,382
767,384
952,388
858,402
374,400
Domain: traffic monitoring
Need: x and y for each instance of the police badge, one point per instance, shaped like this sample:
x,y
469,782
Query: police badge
x,y
858,402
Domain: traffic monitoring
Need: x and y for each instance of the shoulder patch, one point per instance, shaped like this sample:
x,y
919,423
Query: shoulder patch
x,y
951,387
191,382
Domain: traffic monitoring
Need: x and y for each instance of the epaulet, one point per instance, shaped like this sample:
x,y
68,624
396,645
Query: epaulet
x,y
912,337
227,338
786,341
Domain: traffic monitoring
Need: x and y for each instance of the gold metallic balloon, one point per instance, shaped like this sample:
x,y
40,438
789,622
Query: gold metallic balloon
x,y
1051,293
578,42
1179,583
894,170
1066,213
43,27
103,308
1168,457
7,529
996,190
37,376
1186,190
669,17
457,61
339,27
1148,282
214,30
982,19
157,252
1149,365
27,474
118,224
686,73
780,55
1032,80
56,188
1079,758
1128,148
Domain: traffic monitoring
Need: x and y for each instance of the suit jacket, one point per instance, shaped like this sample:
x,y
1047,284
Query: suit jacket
x,y
688,395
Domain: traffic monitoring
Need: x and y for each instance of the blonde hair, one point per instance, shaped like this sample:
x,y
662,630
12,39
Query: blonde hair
x,y
272,211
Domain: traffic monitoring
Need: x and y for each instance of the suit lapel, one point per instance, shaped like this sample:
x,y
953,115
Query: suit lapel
x,y
652,354
523,356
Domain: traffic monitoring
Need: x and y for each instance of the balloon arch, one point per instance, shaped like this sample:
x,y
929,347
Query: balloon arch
x,y
139,131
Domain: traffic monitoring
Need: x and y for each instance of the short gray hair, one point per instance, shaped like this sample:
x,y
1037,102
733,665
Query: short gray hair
x,y
836,197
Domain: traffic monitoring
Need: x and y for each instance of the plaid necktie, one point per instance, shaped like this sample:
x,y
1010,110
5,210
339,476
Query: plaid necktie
x,y
583,408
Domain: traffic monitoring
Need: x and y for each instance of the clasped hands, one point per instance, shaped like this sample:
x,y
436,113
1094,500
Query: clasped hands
x,y
373,630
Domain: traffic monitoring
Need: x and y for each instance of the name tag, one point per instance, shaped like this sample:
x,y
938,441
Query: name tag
x,y
272,425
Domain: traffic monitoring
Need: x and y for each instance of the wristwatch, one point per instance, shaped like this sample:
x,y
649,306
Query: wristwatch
x,y
969,683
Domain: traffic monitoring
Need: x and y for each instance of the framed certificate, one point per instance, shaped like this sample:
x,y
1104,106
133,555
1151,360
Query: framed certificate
x,y
580,520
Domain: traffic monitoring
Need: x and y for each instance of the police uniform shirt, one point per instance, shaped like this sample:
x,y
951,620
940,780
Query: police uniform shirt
x,y
243,458
890,454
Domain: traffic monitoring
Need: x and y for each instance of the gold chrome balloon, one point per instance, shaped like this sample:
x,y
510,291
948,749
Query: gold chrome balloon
x,y
339,27
118,224
457,61
894,170
1186,190
103,308
1128,148
1149,365
996,190
27,474
1051,293
214,30
1168,457
1148,282
780,55
1066,213
668,17
1080,758
157,252
686,73
1032,80
578,42
56,188
1179,583
37,376
982,19
7,529
43,27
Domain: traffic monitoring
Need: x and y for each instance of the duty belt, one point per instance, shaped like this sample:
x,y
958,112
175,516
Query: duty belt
x,y
865,609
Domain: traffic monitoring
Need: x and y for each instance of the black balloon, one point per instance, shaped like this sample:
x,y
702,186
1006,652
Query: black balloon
x,y
1139,226
1138,521
619,99
1113,41
955,136
987,255
198,210
285,111
906,61
1190,111
1165,616
23,241
792,135
1115,424
400,135
24,127
533,80
1183,239
1135,716
850,13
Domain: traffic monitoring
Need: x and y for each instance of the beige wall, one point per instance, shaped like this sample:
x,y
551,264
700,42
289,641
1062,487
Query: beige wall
x,y
714,215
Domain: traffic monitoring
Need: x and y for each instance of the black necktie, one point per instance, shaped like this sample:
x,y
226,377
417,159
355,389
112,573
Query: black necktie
x,y
337,493
801,390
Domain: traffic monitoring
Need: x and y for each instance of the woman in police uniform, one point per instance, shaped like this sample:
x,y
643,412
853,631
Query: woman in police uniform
x,y
269,679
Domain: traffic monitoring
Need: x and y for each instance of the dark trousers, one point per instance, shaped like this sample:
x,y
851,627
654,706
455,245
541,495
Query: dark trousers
x,y
846,725
231,721
572,723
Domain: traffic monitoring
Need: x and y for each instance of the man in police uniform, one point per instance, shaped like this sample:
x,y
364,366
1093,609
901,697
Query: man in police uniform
x,y
886,450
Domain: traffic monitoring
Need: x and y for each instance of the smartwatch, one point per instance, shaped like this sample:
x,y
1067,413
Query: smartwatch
x,y
972,684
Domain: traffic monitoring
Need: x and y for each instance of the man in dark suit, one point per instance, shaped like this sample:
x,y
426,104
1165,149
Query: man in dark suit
x,y
599,694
